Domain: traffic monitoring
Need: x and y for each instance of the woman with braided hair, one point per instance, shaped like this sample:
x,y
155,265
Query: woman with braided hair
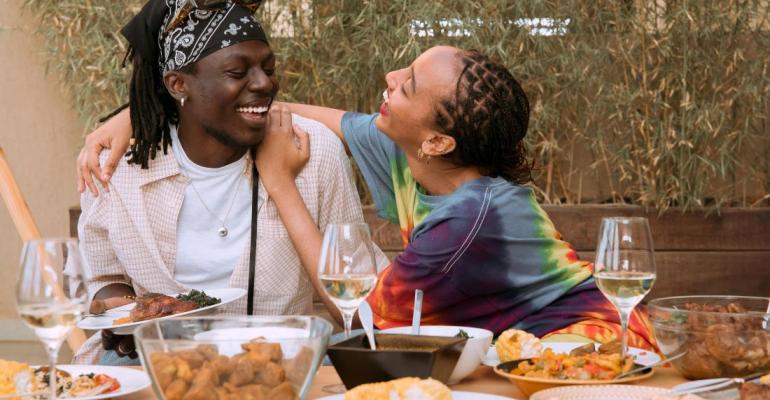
x,y
444,158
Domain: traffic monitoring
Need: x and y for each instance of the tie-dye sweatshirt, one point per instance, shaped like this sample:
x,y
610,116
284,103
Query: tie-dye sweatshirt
x,y
485,255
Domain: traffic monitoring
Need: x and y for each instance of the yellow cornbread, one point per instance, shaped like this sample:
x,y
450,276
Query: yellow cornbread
x,y
401,389
15,378
515,344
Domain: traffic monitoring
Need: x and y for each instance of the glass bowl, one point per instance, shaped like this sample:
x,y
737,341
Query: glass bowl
x,y
233,357
723,336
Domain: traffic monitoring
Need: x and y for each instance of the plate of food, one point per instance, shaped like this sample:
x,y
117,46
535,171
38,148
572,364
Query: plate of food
x,y
553,369
154,306
641,356
515,344
84,382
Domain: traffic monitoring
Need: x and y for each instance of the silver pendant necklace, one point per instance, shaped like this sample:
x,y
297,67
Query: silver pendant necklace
x,y
222,231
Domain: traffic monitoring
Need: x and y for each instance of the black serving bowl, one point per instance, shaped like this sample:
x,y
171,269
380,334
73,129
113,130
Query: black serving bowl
x,y
397,356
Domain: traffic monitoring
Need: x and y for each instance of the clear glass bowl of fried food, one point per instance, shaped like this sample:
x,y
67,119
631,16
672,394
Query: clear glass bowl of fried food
x,y
723,336
233,357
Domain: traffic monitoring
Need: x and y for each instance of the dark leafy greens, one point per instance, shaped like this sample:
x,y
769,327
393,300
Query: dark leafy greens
x,y
200,298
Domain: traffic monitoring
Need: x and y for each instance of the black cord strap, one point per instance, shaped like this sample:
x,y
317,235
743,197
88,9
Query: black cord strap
x,y
253,247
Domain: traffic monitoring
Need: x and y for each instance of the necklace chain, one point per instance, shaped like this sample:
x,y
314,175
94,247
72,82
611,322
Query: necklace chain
x,y
223,231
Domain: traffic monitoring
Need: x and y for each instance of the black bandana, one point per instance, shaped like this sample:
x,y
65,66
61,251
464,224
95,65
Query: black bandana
x,y
200,34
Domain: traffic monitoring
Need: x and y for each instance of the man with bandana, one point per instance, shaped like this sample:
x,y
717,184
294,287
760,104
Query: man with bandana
x,y
182,211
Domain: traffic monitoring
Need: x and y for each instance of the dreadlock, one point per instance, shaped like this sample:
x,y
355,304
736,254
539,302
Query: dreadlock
x,y
152,110
488,118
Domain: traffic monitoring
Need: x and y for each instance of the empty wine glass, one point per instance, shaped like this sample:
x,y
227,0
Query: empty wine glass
x,y
624,268
348,272
51,293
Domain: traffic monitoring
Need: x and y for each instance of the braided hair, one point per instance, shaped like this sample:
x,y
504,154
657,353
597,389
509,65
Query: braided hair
x,y
488,119
152,110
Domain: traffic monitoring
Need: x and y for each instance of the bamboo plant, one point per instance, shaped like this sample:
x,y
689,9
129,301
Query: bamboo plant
x,y
653,102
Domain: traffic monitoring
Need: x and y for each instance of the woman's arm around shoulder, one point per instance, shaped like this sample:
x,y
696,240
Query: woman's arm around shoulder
x,y
114,134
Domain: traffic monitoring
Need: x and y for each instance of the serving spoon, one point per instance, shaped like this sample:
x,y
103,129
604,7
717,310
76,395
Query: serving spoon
x,y
365,315
417,312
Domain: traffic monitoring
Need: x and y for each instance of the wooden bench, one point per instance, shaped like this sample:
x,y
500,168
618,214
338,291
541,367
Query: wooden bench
x,y
695,252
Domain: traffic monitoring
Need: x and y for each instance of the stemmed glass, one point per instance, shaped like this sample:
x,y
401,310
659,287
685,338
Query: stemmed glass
x,y
347,267
348,271
51,294
625,265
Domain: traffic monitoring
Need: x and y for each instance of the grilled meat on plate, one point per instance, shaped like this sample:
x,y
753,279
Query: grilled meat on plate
x,y
156,305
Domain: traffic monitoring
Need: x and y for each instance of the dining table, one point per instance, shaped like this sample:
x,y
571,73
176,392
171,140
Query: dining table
x,y
483,380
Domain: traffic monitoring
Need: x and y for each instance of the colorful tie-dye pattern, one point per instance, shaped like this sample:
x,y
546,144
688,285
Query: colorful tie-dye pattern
x,y
486,255
408,207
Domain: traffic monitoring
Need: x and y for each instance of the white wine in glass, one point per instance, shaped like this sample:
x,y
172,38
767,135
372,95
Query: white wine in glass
x,y
347,291
624,268
51,293
347,270
347,267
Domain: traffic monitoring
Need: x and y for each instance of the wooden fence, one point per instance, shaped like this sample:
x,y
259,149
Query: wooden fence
x,y
695,252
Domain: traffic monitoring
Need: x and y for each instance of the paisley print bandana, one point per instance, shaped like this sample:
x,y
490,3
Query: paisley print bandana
x,y
204,32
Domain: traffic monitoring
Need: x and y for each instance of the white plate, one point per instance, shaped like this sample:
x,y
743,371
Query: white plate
x,y
456,395
131,379
599,392
643,357
227,295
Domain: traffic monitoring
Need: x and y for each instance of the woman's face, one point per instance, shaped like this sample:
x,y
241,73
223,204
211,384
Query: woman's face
x,y
408,114
231,91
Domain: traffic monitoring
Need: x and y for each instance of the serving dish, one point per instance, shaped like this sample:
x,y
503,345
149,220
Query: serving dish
x,y
641,356
397,356
724,336
475,347
529,385
232,357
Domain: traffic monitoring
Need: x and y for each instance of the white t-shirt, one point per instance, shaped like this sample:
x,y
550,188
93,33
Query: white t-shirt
x,y
204,259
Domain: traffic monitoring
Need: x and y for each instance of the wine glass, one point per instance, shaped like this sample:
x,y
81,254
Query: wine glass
x,y
347,267
348,271
51,293
624,268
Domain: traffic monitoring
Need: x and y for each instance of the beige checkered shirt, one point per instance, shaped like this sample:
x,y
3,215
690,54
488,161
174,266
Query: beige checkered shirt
x,y
129,233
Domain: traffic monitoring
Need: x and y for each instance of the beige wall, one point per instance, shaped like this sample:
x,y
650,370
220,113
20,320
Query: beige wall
x,y
40,133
